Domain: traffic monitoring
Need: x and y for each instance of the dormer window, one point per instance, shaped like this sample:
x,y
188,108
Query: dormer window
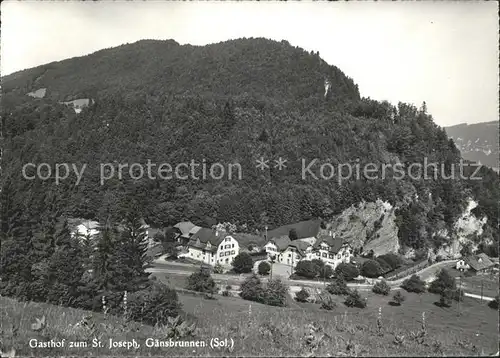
x,y
197,241
209,245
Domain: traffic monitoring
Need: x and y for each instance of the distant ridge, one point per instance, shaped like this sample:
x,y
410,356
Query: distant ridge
x,y
477,142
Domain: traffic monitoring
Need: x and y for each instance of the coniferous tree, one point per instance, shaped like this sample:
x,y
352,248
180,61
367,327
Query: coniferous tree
x,y
66,268
130,259
103,259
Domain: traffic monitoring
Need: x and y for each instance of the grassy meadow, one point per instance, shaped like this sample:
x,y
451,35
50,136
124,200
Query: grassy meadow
x,y
259,330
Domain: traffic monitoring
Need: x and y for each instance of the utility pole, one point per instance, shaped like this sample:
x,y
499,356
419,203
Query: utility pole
x,y
482,289
459,291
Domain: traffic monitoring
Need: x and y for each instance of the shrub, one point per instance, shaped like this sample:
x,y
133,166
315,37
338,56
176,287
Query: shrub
x,y
348,271
354,299
393,260
306,269
318,266
326,272
302,295
384,266
326,301
444,281
275,293
153,305
445,298
218,269
371,268
201,281
264,268
243,263
226,293
252,290
414,284
398,298
494,304
337,287
381,288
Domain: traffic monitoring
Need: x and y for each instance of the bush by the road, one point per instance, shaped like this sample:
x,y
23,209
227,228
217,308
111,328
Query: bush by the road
x,y
201,281
384,266
306,269
218,268
338,286
273,294
318,266
302,295
243,263
264,268
414,284
348,271
326,272
354,299
327,302
393,260
252,290
444,281
371,268
381,288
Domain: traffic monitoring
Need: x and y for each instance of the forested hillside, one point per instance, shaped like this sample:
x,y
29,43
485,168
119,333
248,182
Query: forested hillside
x,y
231,102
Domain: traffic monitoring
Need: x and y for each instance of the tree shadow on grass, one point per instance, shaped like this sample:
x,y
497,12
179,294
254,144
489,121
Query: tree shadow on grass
x,y
394,304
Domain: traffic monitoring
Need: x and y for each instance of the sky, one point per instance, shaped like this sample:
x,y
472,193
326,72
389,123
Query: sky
x,y
442,52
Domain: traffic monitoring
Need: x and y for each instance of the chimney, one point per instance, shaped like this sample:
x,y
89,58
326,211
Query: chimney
x,y
216,233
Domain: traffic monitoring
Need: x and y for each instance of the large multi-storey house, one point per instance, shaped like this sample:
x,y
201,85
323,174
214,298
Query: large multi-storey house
x,y
312,241
212,246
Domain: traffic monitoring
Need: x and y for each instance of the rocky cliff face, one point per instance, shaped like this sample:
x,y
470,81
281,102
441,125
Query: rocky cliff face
x,y
467,230
372,226
369,225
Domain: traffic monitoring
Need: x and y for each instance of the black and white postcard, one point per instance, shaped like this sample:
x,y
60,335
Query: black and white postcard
x,y
246,179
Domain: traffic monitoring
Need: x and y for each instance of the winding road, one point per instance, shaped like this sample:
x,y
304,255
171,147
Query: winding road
x,y
185,269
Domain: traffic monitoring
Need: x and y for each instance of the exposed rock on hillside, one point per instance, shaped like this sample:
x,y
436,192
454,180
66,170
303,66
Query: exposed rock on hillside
x,y
370,226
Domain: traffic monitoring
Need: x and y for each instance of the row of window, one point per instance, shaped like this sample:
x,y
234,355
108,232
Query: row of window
x,y
332,256
227,253
230,246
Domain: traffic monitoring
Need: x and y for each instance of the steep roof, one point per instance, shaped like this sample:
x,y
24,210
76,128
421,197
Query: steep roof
x,y
205,235
194,230
184,227
300,245
308,228
479,262
245,239
334,243
281,242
